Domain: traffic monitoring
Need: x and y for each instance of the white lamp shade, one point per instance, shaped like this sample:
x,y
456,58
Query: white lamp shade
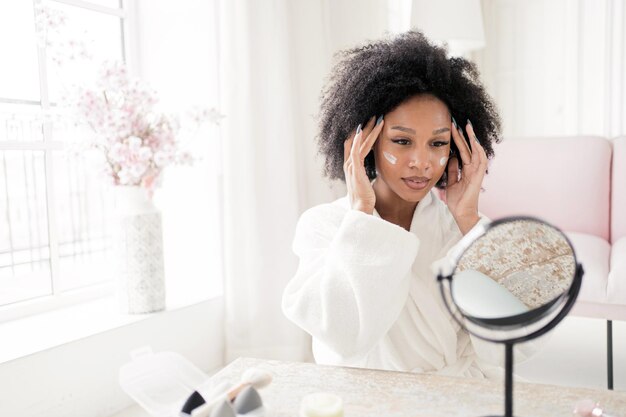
x,y
457,22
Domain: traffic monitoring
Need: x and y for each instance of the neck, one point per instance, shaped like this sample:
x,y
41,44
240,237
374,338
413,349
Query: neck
x,y
392,208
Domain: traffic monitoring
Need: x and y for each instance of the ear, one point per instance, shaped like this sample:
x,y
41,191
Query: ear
x,y
370,165
450,156
452,168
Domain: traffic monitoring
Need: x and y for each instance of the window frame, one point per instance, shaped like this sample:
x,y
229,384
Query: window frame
x,y
40,304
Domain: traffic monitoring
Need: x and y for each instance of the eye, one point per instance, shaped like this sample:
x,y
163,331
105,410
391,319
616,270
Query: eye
x,y
401,141
440,143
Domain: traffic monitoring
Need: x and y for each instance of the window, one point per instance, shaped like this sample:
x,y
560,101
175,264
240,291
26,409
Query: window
x,y
53,209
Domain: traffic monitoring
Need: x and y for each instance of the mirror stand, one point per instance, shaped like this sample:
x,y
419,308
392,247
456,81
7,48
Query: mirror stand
x,y
566,303
508,379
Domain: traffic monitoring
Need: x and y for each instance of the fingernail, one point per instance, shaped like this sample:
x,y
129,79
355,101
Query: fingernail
x,y
454,123
476,139
358,129
470,123
380,119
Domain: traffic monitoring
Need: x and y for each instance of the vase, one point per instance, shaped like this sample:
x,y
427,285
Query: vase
x,y
139,254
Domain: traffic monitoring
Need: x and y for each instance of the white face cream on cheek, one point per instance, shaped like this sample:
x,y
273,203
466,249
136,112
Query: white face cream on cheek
x,y
389,157
443,160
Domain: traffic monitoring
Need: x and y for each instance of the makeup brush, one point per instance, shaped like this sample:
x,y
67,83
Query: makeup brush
x,y
254,377
202,395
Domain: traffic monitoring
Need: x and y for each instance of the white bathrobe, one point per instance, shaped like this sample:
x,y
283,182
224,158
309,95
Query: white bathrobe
x,y
366,291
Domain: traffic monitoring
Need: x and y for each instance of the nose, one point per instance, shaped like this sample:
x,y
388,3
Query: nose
x,y
420,160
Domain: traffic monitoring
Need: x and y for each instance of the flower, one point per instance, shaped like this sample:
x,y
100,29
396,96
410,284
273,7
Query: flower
x,y
52,28
137,141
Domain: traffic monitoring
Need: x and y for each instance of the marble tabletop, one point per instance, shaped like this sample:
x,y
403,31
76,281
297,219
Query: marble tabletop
x,y
367,392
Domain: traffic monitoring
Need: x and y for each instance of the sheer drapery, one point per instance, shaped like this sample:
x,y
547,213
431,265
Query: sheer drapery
x,y
275,56
556,67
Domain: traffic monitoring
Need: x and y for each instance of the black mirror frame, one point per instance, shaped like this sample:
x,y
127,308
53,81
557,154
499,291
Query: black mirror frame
x,y
565,301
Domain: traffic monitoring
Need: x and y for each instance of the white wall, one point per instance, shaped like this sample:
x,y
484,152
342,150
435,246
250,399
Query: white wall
x,y
80,379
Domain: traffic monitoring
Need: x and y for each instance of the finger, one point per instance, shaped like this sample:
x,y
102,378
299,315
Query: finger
x,y
356,143
466,141
461,144
477,148
371,138
484,161
476,156
479,159
453,170
367,129
347,146
484,158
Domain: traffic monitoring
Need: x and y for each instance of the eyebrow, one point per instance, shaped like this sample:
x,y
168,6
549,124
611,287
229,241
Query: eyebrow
x,y
409,130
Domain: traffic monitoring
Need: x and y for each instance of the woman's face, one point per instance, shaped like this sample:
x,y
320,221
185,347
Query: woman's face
x,y
412,150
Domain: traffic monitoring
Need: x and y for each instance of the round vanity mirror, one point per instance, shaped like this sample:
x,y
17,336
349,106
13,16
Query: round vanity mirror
x,y
514,274
514,281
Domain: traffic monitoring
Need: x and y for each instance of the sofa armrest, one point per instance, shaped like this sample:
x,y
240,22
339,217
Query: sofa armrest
x,y
618,190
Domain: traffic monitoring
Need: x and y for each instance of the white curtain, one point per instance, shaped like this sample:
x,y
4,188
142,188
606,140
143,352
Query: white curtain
x,y
275,55
556,67
191,265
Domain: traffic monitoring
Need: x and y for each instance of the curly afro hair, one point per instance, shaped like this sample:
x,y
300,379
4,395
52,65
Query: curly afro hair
x,y
375,78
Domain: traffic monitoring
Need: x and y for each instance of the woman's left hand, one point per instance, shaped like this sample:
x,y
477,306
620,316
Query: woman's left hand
x,y
463,190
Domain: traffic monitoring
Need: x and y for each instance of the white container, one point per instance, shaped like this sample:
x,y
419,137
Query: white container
x,y
321,404
160,382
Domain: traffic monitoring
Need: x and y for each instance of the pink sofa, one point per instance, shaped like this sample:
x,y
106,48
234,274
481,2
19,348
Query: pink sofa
x,y
579,185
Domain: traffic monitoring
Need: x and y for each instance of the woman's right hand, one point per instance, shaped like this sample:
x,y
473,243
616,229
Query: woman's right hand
x,y
355,149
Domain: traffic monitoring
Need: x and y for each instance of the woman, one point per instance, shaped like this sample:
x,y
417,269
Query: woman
x,y
365,288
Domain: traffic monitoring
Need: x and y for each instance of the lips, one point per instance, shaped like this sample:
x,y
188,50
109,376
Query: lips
x,y
416,183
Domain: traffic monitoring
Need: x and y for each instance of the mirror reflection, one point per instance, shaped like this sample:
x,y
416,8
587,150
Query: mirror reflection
x,y
514,268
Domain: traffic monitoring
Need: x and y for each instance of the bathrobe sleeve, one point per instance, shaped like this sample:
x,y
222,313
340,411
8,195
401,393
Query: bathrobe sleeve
x,y
353,277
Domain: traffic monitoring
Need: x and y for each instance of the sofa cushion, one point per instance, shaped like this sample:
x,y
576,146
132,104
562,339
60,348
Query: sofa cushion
x,y
616,288
593,253
564,181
